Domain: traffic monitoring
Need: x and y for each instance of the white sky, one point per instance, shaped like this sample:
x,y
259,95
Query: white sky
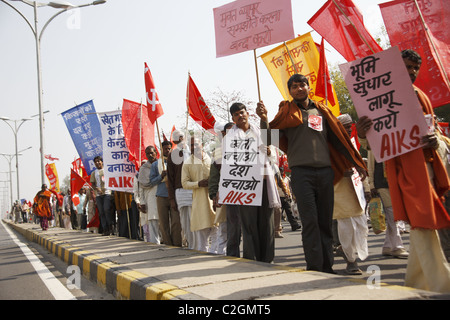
x,y
98,53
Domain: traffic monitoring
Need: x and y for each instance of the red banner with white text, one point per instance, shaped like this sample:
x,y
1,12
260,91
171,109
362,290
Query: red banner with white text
x,y
407,30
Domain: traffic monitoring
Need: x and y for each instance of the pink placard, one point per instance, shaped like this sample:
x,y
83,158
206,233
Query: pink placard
x,y
249,24
381,89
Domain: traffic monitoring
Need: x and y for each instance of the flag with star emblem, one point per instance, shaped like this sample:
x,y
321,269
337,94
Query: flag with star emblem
x,y
153,106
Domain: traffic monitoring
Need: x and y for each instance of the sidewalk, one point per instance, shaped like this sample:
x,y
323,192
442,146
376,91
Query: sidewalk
x,y
136,270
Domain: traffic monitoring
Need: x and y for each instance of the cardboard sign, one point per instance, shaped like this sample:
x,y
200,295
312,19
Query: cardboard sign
x,y
381,89
245,25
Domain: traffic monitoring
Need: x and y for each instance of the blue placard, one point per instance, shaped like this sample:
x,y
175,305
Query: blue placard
x,y
84,128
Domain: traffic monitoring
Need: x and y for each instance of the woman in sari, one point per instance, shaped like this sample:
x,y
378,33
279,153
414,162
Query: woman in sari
x,y
42,206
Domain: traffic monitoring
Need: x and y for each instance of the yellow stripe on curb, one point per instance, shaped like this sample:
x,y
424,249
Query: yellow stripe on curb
x,y
173,294
87,263
102,269
124,280
156,291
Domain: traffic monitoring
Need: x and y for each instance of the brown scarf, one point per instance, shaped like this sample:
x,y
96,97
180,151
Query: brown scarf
x,y
289,115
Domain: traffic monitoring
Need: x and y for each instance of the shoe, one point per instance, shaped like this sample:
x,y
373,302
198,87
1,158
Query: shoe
x,y
400,253
296,227
386,252
353,269
278,235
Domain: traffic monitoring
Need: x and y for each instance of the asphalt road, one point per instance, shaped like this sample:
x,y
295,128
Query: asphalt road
x,y
289,252
30,272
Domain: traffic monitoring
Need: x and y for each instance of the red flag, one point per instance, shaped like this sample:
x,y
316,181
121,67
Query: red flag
x,y
341,24
324,88
154,108
171,134
407,30
95,221
49,157
76,183
198,110
131,125
77,166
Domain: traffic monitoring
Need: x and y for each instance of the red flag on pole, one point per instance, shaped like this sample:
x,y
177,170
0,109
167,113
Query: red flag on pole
x,y
341,24
198,110
76,183
423,28
324,88
132,124
154,108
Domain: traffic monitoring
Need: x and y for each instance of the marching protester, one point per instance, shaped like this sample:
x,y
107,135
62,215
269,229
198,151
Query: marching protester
x,y
42,206
350,214
103,197
422,207
258,231
169,219
319,151
228,227
194,176
145,197
179,197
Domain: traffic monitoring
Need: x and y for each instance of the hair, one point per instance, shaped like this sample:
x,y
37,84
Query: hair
x,y
228,125
237,106
297,78
150,147
166,143
411,55
98,158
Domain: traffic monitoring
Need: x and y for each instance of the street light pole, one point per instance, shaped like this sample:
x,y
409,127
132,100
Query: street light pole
x,y
65,6
15,130
9,157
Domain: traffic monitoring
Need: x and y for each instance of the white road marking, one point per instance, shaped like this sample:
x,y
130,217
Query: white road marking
x,y
56,288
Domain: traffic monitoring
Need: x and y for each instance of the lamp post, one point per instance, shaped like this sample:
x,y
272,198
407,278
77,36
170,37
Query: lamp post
x,y
9,157
15,130
65,6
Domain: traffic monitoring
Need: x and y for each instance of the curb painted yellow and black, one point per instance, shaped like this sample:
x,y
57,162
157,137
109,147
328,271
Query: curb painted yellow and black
x,y
121,281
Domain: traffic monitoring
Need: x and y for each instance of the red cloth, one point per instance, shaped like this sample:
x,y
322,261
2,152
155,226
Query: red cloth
x,y
198,110
132,122
406,30
414,197
154,108
324,89
42,204
341,24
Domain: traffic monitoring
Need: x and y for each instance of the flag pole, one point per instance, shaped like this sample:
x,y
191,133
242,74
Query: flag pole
x,y
140,135
290,57
432,42
187,104
354,27
160,145
257,75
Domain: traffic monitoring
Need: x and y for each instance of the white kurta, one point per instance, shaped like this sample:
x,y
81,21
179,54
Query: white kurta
x,y
352,224
193,171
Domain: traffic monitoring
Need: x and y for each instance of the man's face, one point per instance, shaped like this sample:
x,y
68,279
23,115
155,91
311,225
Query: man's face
x,y
150,153
299,91
240,118
413,68
166,150
98,163
196,148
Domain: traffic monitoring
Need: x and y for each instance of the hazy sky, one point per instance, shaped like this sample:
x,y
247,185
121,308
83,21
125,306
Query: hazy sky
x,y
98,53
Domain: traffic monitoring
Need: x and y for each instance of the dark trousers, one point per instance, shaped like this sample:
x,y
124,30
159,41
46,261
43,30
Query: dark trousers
x,y
233,231
314,191
105,212
258,235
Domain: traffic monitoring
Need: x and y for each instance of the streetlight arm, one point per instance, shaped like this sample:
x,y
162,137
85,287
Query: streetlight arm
x,y
28,21
6,121
50,20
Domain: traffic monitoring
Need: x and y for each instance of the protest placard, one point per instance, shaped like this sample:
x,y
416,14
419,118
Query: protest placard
x,y
119,171
381,89
242,170
248,24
